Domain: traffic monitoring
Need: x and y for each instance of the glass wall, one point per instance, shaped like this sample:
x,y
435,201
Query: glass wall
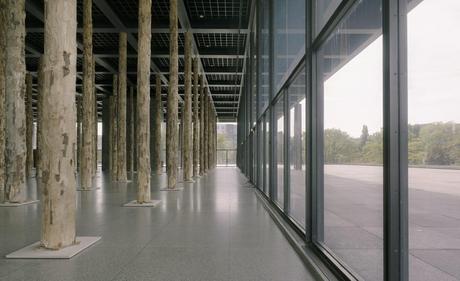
x,y
279,123
260,151
323,12
351,148
353,152
297,140
252,66
289,37
264,51
267,153
434,140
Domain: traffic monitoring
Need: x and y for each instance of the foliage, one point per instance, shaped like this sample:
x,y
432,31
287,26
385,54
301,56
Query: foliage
x,y
429,144
339,147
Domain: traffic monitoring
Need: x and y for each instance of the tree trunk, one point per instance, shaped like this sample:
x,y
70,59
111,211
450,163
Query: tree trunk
x,y
210,127
143,100
3,9
206,130
60,67
122,60
39,117
136,142
79,117
114,123
95,119
158,117
196,119
15,70
86,169
129,131
187,126
29,126
202,125
172,111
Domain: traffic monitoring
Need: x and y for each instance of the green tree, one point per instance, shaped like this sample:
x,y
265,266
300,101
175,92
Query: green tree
x,y
364,136
372,151
339,147
439,142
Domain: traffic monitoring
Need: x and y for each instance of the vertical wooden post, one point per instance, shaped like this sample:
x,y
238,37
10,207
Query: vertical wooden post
x,y
114,128
3,9
95,119
196,119
60,68
40,117
15,70
122,60
129,132
172,106
187,111
86,169
29,126
206,131
158,118
202,147
143,100
79,117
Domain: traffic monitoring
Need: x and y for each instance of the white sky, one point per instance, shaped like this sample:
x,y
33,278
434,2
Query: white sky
x,y
353,95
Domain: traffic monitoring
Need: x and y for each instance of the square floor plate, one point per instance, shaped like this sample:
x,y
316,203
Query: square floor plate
x,y
18,204
134,203
34,251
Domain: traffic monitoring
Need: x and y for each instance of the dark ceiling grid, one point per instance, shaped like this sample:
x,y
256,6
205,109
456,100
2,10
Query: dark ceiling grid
x,y
217,44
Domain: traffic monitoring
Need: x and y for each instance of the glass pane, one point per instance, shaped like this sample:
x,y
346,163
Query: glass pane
x,y
226,143
351,63
264,60
323,11
253,77
297,135
260,148
434,140
289,37
267,153
279,122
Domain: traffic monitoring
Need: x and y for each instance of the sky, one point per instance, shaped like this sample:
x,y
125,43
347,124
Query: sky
x,y
353,95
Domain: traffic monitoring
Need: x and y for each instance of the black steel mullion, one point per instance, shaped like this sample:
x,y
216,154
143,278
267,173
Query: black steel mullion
x,y
395,180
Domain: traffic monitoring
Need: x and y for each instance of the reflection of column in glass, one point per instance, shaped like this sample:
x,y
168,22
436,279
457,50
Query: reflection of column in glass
x,y
297,147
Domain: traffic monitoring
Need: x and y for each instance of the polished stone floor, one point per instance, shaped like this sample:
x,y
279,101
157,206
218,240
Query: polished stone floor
x,y
215,229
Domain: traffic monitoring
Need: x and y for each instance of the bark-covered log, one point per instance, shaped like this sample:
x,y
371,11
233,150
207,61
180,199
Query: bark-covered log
x,y
122,61
129,131
187,111
15,71
206,130
196,119
29,126
202,125
158,118
59,116
86,169
79,117
114,128
143,100
3,9
210,127
40,118
95,119
172,106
